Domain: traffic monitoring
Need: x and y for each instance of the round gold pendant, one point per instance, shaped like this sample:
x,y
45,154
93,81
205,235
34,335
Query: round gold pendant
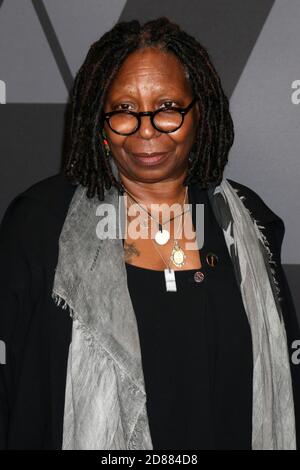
x,y
178,256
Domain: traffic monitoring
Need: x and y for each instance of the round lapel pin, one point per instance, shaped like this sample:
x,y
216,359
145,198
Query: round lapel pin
x,y
212,259
198,276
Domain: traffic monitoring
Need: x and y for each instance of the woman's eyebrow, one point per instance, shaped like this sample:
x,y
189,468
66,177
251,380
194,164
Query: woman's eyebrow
x,y
164,94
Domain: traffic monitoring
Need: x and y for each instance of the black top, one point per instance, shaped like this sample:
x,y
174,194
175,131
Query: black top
x,y
203,330
37,333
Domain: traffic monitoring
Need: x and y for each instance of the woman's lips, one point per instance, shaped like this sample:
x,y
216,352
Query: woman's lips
x,y
151,158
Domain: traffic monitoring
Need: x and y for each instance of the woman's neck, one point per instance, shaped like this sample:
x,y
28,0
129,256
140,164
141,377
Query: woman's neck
x,y
161,192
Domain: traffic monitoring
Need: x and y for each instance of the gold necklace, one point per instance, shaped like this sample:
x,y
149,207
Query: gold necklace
x,y
177,257
162,236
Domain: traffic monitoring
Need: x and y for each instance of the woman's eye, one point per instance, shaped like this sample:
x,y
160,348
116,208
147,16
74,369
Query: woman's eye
x,y
122,106
169,104
128,106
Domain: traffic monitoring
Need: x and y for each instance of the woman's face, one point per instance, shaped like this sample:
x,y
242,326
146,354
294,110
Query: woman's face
x,y
148,79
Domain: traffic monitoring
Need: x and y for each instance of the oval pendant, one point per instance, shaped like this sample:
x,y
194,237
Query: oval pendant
x,y
178,256
162,237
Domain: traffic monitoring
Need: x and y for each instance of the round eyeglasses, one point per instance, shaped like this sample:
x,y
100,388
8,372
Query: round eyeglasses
x,y
166,119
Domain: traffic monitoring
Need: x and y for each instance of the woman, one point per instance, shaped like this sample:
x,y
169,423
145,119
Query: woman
x,y
166,346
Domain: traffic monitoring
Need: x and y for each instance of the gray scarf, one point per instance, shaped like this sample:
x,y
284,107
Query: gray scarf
x,y
105,398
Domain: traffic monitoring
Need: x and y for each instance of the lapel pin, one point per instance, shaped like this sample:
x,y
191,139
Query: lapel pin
x,y
212,259
198,276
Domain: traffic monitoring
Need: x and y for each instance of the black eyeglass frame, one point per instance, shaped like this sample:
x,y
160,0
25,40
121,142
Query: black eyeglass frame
x,y
152,114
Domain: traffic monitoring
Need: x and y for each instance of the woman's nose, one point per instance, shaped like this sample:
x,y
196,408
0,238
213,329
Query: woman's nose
x,y
146,130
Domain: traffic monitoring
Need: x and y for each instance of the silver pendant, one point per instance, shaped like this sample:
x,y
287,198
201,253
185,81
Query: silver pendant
x,y
162,237
170,280
178,256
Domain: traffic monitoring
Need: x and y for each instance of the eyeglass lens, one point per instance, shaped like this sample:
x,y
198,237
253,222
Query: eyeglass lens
x,y
165,120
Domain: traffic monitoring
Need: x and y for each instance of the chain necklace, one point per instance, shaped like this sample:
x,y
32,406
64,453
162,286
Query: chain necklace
x,y
162,236
177,256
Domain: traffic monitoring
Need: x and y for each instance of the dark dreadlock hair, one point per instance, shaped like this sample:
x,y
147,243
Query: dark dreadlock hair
x,y
85,159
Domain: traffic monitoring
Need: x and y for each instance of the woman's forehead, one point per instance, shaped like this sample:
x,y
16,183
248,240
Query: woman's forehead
x,y
150,68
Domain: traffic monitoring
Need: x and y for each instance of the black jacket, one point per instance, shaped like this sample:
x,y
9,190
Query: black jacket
x,y
37,332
